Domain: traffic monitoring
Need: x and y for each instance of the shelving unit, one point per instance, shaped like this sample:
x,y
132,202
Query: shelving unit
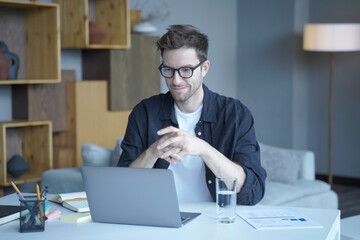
x,y
112,16
42,34
35,144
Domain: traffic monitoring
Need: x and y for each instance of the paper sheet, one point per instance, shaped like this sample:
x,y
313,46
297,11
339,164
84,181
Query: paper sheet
x,y
276,218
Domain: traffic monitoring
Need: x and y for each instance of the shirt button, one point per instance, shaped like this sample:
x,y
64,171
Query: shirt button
x,y
199,133
209,182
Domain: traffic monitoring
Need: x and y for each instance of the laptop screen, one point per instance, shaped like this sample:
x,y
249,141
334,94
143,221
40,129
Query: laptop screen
x,y
138,196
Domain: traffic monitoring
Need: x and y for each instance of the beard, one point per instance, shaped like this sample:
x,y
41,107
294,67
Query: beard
x,y
184,97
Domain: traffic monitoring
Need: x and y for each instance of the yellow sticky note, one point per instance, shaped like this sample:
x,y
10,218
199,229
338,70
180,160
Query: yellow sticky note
x,y
77,217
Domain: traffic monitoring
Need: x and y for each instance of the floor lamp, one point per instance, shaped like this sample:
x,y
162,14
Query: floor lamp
x,y
331,37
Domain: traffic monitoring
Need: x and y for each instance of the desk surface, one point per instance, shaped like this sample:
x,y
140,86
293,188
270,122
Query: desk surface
x,y
203,227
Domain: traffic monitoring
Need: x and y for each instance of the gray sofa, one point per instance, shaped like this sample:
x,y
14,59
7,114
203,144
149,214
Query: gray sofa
x,y
290,182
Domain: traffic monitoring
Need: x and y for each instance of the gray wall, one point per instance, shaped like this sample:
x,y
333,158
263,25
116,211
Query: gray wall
x,y
265,66
287,88
346,126
215,18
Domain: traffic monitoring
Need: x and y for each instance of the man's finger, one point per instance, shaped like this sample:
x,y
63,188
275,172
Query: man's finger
x,y
169,153
167,130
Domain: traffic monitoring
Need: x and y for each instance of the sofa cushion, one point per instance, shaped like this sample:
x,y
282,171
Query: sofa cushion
x,y
281,165
62,180
280,193
93,155
115,156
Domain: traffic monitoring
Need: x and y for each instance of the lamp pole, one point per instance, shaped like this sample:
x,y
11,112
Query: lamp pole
x,y
331,87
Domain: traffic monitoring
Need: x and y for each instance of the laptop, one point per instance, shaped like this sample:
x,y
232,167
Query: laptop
x,y
139,196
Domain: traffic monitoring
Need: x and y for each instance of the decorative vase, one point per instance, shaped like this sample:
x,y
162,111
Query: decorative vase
x,y
95,33
4,66
17,166
12,59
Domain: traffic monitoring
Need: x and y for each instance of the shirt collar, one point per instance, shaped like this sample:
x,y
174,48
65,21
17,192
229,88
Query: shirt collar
x,y
167,111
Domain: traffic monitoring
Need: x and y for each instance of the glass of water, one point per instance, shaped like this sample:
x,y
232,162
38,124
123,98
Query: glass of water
x,y
226,199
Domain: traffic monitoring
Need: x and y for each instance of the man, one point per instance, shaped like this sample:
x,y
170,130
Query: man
x,y
196,133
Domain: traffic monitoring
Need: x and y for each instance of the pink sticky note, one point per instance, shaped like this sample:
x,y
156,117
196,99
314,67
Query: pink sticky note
x,y
53,215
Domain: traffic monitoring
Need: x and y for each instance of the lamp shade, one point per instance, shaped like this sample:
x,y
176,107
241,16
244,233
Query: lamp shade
x,y
332,37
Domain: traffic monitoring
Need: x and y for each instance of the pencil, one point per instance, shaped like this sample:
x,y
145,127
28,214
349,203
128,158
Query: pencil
x,y
24,201
16,189
40,205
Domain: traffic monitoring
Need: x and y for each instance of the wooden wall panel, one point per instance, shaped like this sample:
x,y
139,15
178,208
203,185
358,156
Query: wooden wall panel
x,y
132,74
64,157
96,64
43,102
64,142
90,121
94,122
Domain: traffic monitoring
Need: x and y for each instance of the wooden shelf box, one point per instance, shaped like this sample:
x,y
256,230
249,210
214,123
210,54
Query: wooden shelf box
x,y
112,16
35,143
42,41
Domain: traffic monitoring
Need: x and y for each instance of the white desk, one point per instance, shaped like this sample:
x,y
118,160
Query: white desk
x,y
203,227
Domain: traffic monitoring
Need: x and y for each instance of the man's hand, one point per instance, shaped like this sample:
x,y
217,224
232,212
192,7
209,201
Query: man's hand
x,y
176,143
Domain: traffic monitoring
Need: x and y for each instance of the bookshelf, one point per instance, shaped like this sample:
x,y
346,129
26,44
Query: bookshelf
x,y
112,16
33,141
42,44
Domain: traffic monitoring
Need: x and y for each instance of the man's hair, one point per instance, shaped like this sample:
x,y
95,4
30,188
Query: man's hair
x,y
189,36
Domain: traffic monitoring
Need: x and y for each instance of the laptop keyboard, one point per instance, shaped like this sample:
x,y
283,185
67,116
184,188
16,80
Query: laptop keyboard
x,y
184,219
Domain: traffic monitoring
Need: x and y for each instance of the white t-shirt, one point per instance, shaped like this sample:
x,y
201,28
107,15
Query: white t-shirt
x,y
190,174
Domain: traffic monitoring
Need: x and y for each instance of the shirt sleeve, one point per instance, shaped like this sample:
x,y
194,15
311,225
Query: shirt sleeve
x,y
133,142
247,154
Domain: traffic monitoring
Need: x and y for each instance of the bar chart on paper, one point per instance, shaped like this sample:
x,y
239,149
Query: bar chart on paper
x,y
276,218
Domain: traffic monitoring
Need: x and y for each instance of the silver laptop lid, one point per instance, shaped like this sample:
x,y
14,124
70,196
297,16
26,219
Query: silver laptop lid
x,y
132,196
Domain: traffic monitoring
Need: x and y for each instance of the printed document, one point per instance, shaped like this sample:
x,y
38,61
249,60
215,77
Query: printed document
x,y
276,218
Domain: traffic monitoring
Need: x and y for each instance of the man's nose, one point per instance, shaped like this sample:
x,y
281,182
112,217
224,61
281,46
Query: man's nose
x,y
177,78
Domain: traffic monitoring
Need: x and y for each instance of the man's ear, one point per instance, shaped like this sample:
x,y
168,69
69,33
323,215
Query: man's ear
x,y
205,68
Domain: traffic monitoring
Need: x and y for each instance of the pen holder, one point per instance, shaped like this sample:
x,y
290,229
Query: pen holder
x,y
32,219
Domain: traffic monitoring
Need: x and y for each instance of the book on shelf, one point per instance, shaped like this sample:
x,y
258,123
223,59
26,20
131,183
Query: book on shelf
x,y
9,213
76,201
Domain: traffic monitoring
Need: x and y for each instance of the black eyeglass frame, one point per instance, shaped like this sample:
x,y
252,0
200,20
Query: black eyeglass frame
x,y
178,70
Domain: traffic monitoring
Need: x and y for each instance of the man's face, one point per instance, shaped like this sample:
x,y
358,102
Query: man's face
x,y
185,90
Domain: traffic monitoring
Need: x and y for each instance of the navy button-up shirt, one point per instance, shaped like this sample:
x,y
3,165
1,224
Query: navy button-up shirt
x,y
225,123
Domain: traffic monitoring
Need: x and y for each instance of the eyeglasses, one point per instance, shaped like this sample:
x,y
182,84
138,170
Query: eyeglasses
x,y
184,72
